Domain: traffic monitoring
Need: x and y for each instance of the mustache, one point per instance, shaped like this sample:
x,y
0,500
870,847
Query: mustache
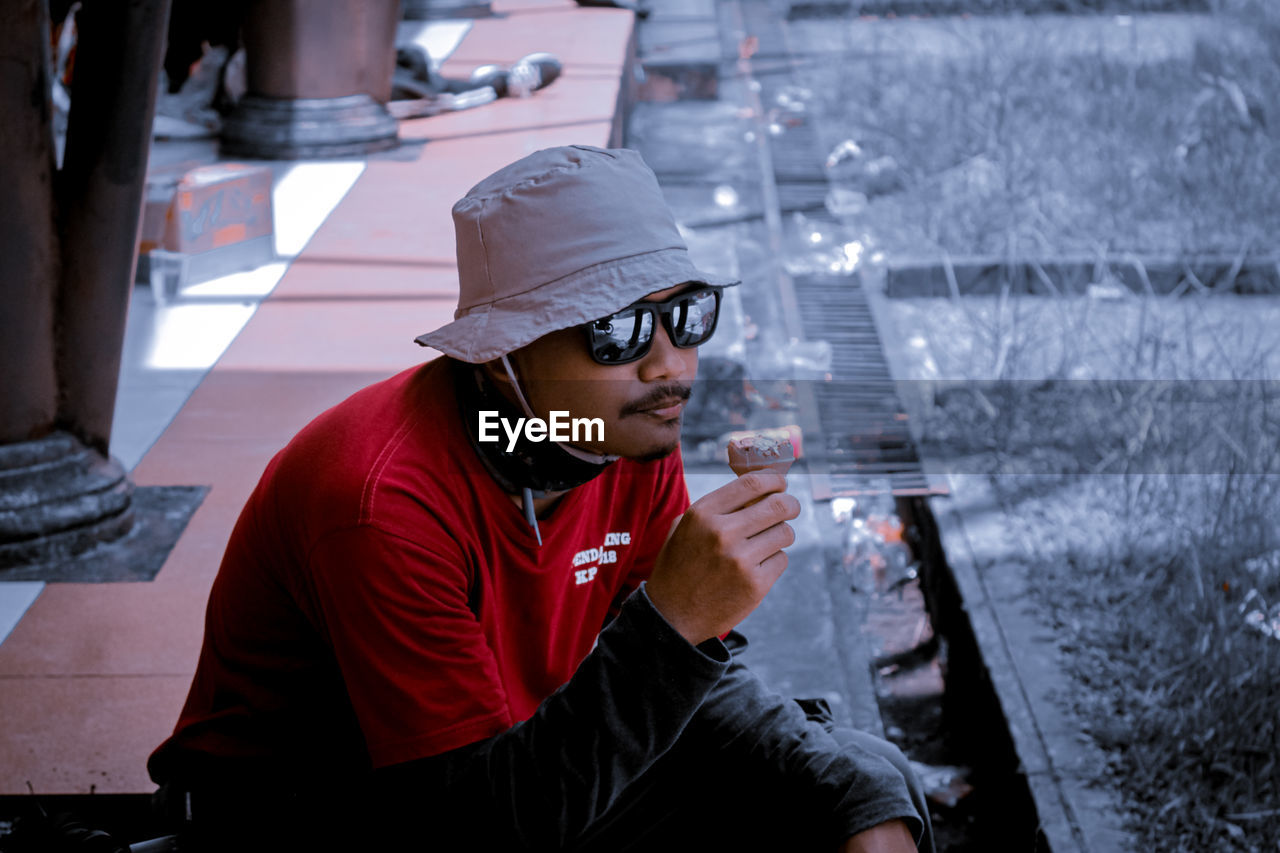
x,y
662,393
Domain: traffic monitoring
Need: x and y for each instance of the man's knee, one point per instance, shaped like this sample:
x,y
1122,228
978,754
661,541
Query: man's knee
x,y
883,748
850,738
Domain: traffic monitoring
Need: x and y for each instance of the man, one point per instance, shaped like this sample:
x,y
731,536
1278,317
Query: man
x,y
404,638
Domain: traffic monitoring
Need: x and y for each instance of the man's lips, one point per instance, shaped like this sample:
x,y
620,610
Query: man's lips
x,y
663,403
665,409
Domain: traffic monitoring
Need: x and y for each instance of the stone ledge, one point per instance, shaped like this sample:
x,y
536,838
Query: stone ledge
x,y
1076,813
1165,275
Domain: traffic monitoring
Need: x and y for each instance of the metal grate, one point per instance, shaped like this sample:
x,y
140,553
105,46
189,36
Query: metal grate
x,y
864,430
864,427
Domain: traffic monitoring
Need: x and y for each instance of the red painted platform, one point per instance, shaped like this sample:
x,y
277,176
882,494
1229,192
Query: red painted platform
x,y
93,676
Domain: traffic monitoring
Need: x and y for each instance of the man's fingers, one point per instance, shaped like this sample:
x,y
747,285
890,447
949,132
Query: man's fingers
x,y
741,491
773,567
763,545
771,510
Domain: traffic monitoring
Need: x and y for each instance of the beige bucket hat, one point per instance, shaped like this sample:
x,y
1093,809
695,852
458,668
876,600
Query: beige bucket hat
x,y
557,239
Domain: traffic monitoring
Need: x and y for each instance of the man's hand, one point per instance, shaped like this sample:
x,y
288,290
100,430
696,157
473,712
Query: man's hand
x,y
889,837
724,555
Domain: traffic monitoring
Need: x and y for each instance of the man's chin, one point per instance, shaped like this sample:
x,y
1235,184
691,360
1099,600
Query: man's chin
x,y
648,443
658,453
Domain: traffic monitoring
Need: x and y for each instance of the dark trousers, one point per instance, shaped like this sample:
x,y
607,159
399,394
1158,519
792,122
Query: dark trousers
x,y
690,799
686,802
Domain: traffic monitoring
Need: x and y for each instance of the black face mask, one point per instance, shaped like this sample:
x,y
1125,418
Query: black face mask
x,y
541,466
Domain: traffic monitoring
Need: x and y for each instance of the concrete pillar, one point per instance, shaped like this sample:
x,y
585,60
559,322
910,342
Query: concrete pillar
x,y
29,265
318,77
104,171
68,243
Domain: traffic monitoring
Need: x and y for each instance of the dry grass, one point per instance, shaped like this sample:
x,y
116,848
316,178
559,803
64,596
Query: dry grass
x,y
1029,7
1145,575
1020,147
1170,681
1024,146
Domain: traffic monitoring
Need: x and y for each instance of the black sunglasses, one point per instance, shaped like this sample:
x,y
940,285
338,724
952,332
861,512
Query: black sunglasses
x,y
625,336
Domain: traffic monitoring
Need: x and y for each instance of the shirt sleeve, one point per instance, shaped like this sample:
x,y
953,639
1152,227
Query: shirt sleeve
x,y
539,784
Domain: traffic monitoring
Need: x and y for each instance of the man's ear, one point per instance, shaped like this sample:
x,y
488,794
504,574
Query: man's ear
x,y
495,372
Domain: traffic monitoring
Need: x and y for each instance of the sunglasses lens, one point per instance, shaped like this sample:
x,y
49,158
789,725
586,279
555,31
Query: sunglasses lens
x,y
626,335
693,319
622,337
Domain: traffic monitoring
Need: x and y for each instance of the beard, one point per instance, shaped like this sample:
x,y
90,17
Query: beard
x,y
660,453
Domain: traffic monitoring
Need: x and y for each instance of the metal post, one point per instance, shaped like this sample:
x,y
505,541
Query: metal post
x,y
113,98
28,231
67,292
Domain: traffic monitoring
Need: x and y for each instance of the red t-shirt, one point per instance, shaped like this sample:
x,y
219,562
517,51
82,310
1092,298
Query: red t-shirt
x,y
381,599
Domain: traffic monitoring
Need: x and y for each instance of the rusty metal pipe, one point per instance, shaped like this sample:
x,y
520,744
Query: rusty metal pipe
x,y
113,100
28,231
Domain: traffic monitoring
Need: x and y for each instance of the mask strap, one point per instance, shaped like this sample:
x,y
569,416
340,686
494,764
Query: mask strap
x,y
526,502
585,456
515,383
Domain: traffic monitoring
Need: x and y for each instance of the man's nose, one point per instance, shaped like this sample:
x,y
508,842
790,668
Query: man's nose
x,y
664,360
